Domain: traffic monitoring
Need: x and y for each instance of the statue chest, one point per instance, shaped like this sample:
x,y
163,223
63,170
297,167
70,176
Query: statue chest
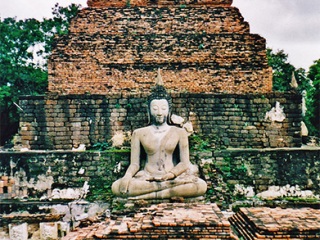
x,y
162,144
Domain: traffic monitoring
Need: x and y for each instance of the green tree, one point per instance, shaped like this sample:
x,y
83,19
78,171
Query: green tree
x,y
307,83
22,42
58,25
18,74
313,118
282,70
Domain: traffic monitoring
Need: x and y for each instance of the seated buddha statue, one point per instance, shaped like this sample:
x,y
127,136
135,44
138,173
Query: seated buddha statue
x,y
163,175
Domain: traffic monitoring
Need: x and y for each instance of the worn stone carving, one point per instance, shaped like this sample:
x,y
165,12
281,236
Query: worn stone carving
x,y
163,176
276,114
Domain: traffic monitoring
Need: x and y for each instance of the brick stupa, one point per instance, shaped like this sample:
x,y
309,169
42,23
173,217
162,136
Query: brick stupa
x,y
202,46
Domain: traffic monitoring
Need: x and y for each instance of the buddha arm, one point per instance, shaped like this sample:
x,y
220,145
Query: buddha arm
x,y
184,163
135,155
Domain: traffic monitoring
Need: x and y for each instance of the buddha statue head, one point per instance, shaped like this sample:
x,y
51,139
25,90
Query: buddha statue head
x,y
159,103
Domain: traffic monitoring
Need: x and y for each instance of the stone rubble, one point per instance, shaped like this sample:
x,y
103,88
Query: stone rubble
x,y
51,221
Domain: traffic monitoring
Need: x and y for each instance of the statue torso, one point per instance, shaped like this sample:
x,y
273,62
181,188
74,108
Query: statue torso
x,y
159,146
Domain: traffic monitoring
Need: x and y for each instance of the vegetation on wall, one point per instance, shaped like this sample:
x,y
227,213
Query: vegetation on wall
x,y
108,171
222,177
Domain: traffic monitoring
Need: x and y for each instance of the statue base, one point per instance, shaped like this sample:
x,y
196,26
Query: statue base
x,y
168,221
121,206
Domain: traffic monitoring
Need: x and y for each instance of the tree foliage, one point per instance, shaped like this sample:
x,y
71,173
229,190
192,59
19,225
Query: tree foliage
x,y
308,84
24,49
22,44
282,70
314,95
18,73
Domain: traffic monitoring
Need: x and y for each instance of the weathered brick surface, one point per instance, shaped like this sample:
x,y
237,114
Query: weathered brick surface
x,y
277,223
133,22
163,221
199,49
259,168
64,122
124,3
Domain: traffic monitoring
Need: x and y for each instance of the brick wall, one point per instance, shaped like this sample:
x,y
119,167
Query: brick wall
x,y
263,168
260,169
199,49
124,3
238,121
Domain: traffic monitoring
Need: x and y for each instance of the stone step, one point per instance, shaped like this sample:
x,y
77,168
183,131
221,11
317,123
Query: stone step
x,y
163,221
149,20
277,223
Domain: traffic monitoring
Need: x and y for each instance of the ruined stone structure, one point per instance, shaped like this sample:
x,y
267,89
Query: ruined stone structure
x,y
277,223
117,46
217,71
264,168
35,173
171,221
236,121
214,68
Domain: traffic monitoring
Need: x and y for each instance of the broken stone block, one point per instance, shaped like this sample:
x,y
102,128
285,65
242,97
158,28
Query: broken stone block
x,y
63,229
48,230
18,231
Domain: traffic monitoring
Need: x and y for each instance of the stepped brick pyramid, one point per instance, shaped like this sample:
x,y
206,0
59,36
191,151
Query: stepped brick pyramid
x,y
118,45
277,223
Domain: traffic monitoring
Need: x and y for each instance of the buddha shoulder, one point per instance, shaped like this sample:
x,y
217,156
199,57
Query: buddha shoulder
x,y
141,131
180,131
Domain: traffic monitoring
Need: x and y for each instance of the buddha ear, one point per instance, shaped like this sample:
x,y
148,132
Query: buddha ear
x,y
169,117
149,118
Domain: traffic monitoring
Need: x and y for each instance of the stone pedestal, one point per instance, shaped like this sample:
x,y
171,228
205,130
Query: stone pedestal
x,y
162,221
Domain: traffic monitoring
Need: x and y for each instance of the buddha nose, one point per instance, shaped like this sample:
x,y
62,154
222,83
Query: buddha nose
x,y
160,112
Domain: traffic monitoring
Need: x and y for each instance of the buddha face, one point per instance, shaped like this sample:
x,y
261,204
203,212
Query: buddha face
x,y
159,110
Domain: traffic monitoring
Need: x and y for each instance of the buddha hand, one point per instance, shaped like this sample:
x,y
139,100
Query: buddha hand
x,y
124,185
168,176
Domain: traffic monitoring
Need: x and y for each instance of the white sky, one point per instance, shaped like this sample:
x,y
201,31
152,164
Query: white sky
x,y
291,25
